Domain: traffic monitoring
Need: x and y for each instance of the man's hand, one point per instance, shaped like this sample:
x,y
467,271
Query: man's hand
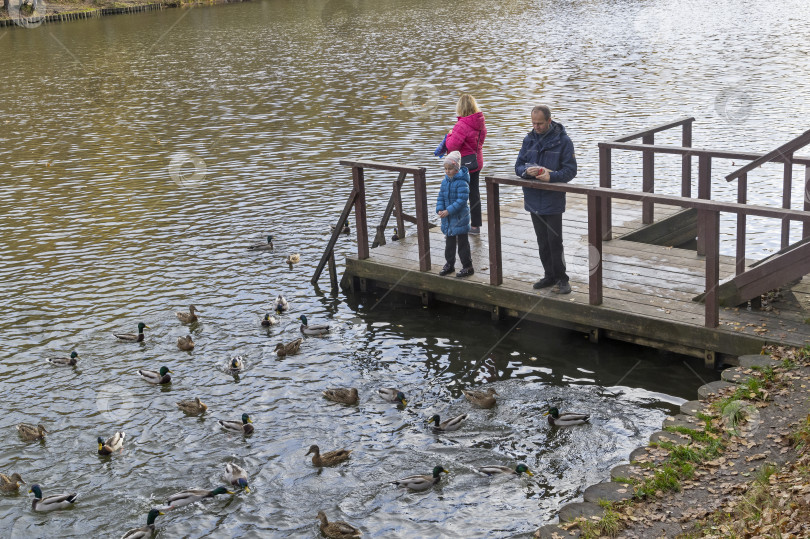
x,y
545,176
533,171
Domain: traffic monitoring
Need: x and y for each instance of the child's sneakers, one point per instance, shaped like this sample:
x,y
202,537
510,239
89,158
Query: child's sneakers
x,y
465,272
447,269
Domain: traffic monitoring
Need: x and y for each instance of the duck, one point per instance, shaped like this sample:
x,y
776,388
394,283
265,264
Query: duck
x,y
269,320
314,329
113,443
236,475
556,419
51,503
449,425
10,483
282,305
421,482
161,377
482,399
187,317
133,337
185,343
294,258
337,529
192,406
328,459
193,495
262,246
144,532
288,349
243,427
392,394
495,470
236,364
343,395
343,230
64,361
395,235
29,432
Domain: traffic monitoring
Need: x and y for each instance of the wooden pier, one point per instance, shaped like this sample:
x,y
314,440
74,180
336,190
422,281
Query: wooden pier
x,y
650,293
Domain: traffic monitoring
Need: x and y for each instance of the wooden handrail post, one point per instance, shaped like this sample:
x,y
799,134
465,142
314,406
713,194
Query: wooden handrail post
x,y
787,187
686,161
494,232
742,198
605,181
379,237
806,225
711,220
594,249
422,228
330,246
399,210
648,179
359,183
704,192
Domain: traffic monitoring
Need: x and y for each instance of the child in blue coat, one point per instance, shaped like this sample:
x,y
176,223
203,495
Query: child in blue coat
x,y
452,207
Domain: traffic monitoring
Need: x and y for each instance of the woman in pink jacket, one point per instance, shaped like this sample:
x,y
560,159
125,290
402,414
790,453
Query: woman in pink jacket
x,y
467,137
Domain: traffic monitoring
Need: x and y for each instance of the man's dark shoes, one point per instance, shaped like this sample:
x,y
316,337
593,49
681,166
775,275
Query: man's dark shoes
x,y
447,269
545,282
465,272
562,287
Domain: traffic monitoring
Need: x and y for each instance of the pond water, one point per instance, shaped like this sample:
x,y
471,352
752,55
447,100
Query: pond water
x,y
140,154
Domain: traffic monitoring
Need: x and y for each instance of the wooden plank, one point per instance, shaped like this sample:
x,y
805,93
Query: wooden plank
x,y
361,163
742,198
686,161
787,187
395,200
595,250
605,181
422,228
711,222
686,120
330,246
648,179
714,154
783,153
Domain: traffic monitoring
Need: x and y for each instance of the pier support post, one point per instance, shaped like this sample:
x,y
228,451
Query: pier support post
x,y
427,298
709,359
595,335
495,313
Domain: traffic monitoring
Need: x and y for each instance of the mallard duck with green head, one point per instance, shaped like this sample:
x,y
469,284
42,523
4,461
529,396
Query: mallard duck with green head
x,y
192,406
494,470
193,495
343,395
263,246
337,529
282,305
392,394
187,317
269,320
314,329
185,343
482,399
449,425
133,337
10,483
30,433
160,377
236,475
421,482
236,364
51,503
64,361
243,427
114,443
289,349
144,532
568,419
330,458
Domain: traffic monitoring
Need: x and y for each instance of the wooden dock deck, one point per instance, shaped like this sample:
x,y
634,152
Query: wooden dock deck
x,y
648,289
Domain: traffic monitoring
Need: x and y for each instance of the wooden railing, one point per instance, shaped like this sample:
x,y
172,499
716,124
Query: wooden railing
x,y
357,200
598,199
784,154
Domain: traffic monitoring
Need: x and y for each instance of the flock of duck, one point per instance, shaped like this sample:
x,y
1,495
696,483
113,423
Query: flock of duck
x,y
234,475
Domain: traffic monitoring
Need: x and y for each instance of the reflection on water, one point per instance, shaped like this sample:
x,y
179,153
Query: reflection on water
x,y
140,155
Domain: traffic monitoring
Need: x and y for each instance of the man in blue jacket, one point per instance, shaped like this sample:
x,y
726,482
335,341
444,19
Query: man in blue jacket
x,y
547,155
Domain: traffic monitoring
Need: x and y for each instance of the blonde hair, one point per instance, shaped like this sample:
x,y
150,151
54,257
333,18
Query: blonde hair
x,y
466,105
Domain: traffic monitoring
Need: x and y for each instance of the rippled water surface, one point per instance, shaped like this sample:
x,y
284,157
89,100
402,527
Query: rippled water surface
x,y
140,154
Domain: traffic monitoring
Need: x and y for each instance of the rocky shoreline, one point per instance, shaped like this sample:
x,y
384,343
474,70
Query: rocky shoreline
x,y
732,464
